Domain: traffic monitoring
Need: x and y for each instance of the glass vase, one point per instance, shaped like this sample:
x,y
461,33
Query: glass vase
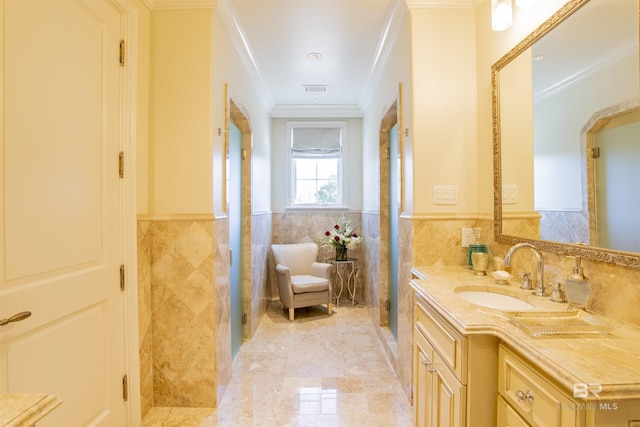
x,y
341,253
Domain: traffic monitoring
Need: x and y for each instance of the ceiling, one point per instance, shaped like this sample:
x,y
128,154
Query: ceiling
x,y
597,34
280,34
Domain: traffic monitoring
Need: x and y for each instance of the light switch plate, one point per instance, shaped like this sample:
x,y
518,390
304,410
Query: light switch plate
x,y
509,194
445,194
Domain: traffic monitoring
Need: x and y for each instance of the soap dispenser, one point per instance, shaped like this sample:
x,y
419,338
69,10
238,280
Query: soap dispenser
x,y
476,246
577,287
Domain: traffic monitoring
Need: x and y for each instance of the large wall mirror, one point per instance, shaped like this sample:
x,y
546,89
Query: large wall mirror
x,y
566,123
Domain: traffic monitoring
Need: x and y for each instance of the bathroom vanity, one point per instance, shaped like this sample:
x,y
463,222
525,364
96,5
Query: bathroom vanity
x,y
473,365
25,410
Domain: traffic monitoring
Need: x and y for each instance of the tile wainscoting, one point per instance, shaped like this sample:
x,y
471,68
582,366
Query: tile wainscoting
x,y
177,311
183,297
183,277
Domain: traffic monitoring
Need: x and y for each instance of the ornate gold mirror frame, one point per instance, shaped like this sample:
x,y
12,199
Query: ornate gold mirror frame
x,y
621,258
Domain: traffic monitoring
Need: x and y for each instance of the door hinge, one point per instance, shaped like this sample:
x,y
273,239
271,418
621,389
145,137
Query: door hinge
x,y
121,164
122,53
388,305
595,152
244,318
125,388
122,277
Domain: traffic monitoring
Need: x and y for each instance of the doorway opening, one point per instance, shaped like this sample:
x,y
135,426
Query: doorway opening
x,y
390,196
238,198
611,153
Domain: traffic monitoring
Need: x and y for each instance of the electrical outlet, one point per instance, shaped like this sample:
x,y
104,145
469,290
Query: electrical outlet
x,y
467,237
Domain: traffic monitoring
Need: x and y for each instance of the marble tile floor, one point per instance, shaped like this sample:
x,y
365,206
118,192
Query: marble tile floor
x,y
316,371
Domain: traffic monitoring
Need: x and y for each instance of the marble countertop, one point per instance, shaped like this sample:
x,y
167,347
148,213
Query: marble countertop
x,y
20,409
612,360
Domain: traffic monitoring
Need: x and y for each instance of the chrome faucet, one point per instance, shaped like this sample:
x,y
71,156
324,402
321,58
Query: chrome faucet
x,y
540,289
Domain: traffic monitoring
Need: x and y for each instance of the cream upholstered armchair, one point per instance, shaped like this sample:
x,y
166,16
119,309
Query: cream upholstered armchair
x,y
302,282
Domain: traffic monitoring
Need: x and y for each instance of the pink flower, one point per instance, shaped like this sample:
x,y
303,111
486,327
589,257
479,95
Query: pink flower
x,y
328,233
354,235
337,238
337,227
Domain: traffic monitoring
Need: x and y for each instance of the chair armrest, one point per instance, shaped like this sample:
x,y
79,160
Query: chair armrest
x,y
283,274
322,269
281,269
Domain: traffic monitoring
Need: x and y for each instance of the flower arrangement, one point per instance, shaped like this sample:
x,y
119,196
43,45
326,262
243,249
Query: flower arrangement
x,y
341,236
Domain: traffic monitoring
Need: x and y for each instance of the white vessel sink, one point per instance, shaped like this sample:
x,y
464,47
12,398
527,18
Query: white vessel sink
x,y
493,300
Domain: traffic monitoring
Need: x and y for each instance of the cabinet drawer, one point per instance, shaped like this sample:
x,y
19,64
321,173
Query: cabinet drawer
x,y
449,344
508,417
536,399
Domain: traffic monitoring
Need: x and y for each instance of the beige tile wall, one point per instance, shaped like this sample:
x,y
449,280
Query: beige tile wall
x,y
178,260
222,324
183,314
145,335
183,294
177,311
256,284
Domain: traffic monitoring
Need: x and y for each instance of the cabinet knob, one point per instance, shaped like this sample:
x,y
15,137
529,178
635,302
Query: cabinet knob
x,y
522,396
425,362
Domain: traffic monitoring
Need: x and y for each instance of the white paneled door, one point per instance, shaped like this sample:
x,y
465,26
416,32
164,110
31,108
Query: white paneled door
x,y
60,218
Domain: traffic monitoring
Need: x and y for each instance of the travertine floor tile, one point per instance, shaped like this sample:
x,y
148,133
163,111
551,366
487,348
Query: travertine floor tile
x,y
315,371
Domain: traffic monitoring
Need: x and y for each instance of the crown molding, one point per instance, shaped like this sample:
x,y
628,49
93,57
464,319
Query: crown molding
x,y
235,32
396,16
316,111
180,4
232,26
397,13
625,50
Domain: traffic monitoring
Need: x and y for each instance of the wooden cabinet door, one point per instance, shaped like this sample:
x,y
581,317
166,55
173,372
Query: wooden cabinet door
x,y
448,396
421,378
61,221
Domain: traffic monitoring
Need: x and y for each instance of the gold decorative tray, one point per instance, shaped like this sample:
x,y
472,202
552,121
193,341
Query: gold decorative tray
x,y
574,322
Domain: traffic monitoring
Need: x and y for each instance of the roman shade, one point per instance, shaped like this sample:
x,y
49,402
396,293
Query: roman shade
x,y
320,142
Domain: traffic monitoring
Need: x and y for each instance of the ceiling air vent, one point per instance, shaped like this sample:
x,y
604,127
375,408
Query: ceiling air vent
x,y
315,88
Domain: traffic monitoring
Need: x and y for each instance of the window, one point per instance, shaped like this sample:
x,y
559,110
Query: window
x,y
316,162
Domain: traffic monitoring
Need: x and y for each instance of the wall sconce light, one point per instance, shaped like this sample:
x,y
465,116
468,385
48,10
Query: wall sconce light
x,y
501,14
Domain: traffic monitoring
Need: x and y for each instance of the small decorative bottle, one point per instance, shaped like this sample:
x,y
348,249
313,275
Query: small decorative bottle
x,y
476,246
